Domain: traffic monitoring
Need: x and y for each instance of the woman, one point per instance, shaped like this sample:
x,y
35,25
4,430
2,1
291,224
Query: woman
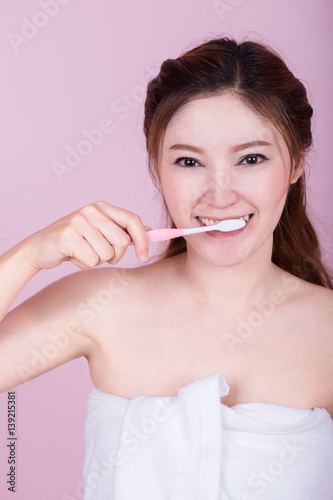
x,y
231,332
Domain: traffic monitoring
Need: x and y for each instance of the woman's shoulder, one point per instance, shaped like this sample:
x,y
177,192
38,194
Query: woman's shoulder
x,y
306,318
311,298
309,309
306,307
316,312
114,290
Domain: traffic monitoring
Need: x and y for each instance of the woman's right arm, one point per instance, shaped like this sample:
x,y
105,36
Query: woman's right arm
x,y
47,330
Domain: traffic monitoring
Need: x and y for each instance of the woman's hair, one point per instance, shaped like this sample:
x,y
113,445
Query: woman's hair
x,y
256,75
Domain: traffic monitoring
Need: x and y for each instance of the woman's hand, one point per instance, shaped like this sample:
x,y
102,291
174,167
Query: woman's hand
x,y
88,237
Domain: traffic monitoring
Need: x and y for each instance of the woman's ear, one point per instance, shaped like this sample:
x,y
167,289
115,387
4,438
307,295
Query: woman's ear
x,y
298,172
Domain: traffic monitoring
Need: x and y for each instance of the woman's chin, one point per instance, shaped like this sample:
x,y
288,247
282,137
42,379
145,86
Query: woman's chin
x,y
218,258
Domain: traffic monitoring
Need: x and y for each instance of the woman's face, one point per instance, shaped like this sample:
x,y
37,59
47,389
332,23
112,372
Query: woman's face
x,y
221,177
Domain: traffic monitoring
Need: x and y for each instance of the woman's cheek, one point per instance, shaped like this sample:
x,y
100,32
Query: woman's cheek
x,y
176,197
180,192
270,186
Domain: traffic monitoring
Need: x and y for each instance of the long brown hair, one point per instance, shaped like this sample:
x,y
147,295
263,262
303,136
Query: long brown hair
x,y
258,76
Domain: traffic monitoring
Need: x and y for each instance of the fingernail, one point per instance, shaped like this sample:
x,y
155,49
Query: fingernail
x,y
144,256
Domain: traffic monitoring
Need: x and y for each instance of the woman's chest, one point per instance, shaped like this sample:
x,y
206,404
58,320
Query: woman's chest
x,y
263,359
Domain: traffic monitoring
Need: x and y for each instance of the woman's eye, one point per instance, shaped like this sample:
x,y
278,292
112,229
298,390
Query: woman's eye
x,y
188,162
252,159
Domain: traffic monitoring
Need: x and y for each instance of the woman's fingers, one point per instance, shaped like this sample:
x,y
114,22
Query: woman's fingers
x,y
132,225
88,237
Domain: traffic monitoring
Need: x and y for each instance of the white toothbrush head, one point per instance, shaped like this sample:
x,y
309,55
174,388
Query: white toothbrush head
x,y
228,225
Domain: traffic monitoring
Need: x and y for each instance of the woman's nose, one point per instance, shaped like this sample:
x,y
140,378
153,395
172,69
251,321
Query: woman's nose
x,y
220,187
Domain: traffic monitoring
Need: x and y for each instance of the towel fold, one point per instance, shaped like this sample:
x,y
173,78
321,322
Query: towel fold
x,y
170,447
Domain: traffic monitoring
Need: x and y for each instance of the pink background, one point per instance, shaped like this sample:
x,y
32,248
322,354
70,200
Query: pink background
x,y
74,71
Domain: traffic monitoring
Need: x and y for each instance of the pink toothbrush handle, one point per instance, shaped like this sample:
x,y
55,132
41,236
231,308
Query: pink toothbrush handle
x,y
164,234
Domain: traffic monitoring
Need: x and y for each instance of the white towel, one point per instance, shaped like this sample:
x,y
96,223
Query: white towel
x,y
178,457
192,447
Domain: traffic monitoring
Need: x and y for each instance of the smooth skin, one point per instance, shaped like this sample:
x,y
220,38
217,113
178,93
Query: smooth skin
x,y
220,306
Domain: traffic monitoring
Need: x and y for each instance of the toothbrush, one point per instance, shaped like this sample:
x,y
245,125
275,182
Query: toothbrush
x,y
168,234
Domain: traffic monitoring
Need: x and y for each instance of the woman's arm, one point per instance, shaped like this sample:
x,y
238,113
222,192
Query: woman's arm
x,y
45,331
38,335
51,327
15,272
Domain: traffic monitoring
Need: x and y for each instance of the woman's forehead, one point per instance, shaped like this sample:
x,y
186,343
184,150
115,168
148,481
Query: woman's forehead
x,y
223,119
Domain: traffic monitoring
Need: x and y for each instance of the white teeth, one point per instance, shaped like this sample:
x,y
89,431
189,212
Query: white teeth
x,y
208,222
211,222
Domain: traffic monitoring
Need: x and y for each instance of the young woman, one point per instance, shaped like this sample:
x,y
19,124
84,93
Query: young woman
x,y
212,366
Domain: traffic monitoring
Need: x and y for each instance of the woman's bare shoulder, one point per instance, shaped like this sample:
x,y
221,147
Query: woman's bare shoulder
x,y
108,280
318,316
108,292
313,299
307,318
319,302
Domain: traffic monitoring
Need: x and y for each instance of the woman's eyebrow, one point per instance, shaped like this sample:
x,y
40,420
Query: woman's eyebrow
x,y
233,149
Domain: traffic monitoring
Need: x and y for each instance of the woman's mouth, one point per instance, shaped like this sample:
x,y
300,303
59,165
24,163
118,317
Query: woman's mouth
x,y
218,234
